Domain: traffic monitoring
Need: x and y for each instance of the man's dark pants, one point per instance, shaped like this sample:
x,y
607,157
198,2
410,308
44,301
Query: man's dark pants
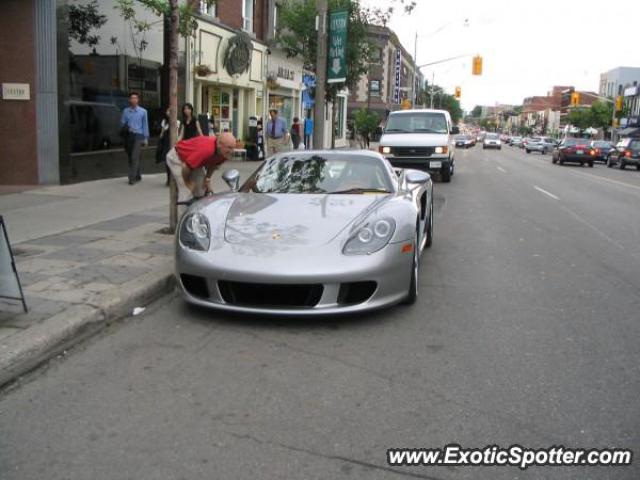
x,y
133,148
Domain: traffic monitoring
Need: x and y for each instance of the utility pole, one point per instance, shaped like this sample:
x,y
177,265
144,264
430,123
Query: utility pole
x,y
415,70
321,75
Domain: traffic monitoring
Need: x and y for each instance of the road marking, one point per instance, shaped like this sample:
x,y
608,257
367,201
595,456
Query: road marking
x,y
542,190
501,169
606,179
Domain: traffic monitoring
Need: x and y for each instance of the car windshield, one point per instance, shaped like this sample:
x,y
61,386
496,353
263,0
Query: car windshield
x,y
314,173
417,122
492,136
461,137
570,142
602,144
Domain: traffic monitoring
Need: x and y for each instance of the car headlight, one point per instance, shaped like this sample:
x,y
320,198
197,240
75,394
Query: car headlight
x,y
441,149
384,149
371,237
195,232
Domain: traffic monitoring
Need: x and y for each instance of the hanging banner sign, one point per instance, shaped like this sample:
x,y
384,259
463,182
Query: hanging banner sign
x,y
9,282
396,90
337,58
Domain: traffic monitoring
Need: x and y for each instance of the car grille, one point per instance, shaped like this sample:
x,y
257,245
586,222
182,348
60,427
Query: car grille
x,y
412,151
270,295
196,286
355,292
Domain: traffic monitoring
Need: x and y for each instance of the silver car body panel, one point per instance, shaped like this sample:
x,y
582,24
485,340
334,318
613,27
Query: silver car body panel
x,y
294,239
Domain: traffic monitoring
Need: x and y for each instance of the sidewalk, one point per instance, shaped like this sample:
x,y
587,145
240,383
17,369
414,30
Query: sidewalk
x,y
86,254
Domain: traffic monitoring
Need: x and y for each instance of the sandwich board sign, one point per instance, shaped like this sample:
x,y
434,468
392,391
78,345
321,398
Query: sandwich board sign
x,y
10,287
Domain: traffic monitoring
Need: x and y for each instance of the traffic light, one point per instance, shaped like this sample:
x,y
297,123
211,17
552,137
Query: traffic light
x,y
575,99
477,65
619,101
458,93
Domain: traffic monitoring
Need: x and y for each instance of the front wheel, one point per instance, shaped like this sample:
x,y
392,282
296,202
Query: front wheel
x,y
430,226
591,164
622,165
528,151
445,173
412,294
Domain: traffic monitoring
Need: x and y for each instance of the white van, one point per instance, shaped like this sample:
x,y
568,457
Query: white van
x,y
421,139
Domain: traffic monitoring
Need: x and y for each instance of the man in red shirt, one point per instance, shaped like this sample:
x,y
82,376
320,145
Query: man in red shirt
x,y
189,157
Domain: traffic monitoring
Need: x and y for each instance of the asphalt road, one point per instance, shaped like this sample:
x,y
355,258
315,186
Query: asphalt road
x,y
526,331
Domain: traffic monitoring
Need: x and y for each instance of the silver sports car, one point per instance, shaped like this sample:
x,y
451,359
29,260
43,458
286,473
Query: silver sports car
x,y
310,232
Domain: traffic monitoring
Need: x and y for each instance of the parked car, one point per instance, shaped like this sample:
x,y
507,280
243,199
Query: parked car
x,y
574,150
540,144
626,152
366,223
491,140
421,139
516,141
525,140
602,148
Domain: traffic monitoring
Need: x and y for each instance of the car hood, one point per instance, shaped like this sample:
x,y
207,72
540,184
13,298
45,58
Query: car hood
x,y
414,139
294,219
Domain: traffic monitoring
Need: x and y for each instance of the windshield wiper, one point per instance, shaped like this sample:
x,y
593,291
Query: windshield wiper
x,y
362,190
427,130
400,130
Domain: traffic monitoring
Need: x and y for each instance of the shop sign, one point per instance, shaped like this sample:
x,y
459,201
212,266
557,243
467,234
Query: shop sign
x,y
237,56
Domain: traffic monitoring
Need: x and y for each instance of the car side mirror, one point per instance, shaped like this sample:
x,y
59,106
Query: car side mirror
x,y
232,178
455,130
417,177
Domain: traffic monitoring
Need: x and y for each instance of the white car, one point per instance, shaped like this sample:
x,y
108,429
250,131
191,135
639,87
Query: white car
x,y
492,140
421,139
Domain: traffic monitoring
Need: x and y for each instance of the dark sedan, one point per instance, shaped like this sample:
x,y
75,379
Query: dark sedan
x,y
574,150
602,148
625,153
465,141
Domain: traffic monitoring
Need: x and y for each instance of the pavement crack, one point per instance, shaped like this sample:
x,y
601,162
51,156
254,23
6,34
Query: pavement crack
x,y
340,458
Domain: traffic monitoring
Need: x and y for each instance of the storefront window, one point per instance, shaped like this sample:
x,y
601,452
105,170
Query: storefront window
x,y
102,57
284,105
221,109
340,116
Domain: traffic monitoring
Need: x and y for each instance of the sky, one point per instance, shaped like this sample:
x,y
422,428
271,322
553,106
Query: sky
x,y
527,47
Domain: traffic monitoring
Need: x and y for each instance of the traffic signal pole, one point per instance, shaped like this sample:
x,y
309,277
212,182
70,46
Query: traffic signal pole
x,y
321,75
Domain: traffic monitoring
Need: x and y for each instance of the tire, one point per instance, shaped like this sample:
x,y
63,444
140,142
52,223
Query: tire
x,y
622,165
591,164
560,160
445,173
412,294
582,164
429,241
638,167
528,151
553,160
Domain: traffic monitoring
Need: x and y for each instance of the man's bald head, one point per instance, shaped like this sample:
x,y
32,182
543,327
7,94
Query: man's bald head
x,y
226,144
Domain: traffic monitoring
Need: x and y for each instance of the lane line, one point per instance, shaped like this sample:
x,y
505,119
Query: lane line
x,y
501,169
542,190
606,179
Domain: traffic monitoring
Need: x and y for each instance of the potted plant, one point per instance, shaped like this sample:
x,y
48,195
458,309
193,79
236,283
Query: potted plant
x,y
203,70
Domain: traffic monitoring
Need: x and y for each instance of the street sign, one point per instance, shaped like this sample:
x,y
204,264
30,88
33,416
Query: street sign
x,y
337,59
396,90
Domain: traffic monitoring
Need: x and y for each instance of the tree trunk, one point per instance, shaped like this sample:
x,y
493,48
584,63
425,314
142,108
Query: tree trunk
x,y
333,120
174,37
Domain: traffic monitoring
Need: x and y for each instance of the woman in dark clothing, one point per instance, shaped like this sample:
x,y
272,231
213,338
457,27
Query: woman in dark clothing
x,y
190,126
296,134
164,142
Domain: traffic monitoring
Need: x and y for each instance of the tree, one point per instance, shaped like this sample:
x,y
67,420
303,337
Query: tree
x,y
83,19
442,100
477,111
365,123
580,118
181,22
601,114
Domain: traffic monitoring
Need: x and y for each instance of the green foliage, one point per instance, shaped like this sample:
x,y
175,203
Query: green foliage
x,y
580,118
296,35
187,25
442,101
83,19
365,122
476,112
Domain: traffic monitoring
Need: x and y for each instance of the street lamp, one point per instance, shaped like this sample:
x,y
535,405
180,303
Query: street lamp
x,y
415,54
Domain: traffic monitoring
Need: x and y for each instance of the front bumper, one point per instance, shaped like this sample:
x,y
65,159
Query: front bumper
x,y
574,158
389,268
492,145
433,163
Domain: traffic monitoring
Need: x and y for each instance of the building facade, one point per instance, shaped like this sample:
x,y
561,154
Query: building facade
x,y
390,78
614,81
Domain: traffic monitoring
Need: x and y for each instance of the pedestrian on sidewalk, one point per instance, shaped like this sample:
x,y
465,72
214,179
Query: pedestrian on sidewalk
x,y
188,158
308,131
190,126
164,142
277,134
296,133
135,126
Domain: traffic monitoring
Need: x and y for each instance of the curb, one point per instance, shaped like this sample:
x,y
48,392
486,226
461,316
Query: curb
x,y
37,344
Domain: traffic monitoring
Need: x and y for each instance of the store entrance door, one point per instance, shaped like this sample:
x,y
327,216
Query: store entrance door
x,y
221,108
